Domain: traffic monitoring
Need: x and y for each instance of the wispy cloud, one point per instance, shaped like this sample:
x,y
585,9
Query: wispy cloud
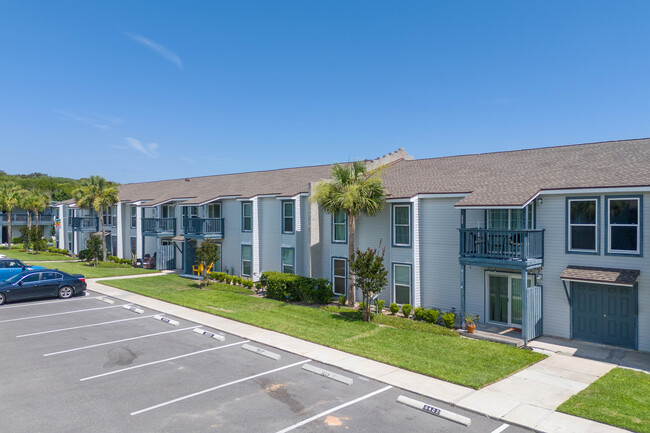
x,y
162,51
150,149
99,121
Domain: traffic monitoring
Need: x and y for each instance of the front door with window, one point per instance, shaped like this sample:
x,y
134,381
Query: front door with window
x,y
504,299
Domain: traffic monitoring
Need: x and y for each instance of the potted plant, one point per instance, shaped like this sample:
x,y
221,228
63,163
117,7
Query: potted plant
x,y
469,322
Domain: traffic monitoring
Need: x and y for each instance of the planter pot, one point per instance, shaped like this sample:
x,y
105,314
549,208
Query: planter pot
x,y
470,328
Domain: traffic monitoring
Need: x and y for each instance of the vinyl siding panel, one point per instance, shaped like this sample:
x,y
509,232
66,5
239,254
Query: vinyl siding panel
x,y
232,237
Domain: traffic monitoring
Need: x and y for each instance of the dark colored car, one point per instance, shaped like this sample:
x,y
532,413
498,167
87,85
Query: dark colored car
x,y
41,283
10,267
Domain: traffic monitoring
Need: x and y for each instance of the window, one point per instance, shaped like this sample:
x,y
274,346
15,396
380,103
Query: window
x,y
510,219
402,225
287,216
69,241
623,233
108,216
287,260
247,216
402,283
214,210
188,212
247,260
50,276
134,216
340,227
13,264
134,246
582,233
340,276
31,278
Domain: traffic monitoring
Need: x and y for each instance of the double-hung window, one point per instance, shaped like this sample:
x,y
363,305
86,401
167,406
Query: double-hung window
x,y
247,216
582,233
214,210
288,217
288,260
340,227
402,283
134,218
623,228
402,225
339,276
247,260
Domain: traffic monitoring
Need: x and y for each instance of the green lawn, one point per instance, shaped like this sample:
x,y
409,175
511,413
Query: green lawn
x,y
103,269
20,254
620,398
463,361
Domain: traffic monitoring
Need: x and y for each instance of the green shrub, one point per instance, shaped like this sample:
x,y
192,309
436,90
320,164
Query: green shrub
x,y
449,319
406,310
394,308
84,255
18,240
418,313
227,279
380,305
342,300
431,316
293,288
258,285
362,306
248,283
218,276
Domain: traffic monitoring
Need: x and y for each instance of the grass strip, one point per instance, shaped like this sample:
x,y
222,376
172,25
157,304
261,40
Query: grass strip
x,y
103,269
463,361
620,398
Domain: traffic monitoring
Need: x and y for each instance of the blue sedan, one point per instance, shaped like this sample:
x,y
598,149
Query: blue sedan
x,y
11,267
41,283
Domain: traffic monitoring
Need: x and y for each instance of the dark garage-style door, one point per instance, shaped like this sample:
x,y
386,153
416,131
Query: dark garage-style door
x,y
604,314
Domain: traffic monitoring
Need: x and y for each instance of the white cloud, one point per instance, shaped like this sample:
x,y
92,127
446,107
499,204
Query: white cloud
x,y
150,149
162,51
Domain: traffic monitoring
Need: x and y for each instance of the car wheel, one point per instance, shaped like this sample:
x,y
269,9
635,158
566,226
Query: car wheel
x,y
2,298
65,292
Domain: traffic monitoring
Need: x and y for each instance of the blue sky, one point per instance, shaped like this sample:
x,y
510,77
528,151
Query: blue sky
x,y
148,90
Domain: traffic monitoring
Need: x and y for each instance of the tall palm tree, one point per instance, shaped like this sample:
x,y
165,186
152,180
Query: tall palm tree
x,y
10,196
354,190
98,194
29,202
42,203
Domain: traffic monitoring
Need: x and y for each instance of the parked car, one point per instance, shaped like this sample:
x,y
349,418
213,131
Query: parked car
x,y
41,283
11,267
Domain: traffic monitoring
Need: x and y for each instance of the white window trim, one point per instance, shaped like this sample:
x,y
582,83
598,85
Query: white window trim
x,y
595,225
345,225
345,277
637,225
410,282
285,217
395,225
244,260
510,276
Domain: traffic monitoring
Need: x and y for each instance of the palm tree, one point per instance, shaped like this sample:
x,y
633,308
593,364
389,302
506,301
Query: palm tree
x,y
42,202
98,194
29,202
10,196
354,190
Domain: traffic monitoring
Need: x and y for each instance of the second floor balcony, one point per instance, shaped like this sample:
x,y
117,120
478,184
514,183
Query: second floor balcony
x,y
505,248
159,226
203,228
84,224
20,218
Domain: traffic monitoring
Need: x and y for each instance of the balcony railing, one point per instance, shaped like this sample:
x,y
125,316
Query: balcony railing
x,y
521,245
159,226
206,227
21,218
85,224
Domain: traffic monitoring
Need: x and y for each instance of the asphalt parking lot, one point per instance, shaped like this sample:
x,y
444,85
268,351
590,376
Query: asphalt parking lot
x,y
85,364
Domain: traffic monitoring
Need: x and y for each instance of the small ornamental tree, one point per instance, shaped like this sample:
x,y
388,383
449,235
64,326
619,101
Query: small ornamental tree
x,y
94,247
206,254
370,275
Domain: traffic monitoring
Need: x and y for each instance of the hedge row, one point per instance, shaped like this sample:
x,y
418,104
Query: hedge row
x,y
294,288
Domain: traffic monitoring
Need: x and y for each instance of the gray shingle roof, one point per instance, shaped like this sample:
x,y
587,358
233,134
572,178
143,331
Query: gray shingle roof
x,y
512,178
588,274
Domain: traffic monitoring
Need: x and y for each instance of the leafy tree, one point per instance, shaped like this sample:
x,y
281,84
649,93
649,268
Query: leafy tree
x,y
10,196
98,194
370,275
206,254
33,238
94,248
354,190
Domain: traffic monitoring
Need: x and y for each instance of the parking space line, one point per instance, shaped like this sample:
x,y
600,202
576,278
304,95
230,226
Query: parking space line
x,y
334,409
80,327
501,428
162,360
119,341
176,400
55,301
58,314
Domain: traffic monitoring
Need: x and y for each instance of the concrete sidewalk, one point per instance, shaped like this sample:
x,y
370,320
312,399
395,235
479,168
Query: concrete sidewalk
x,y
528,398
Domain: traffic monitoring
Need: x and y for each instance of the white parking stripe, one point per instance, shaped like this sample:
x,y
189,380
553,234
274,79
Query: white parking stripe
x,y
502,428
119,341
176,400
55,301
334,409
162,360
58,314
80,327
